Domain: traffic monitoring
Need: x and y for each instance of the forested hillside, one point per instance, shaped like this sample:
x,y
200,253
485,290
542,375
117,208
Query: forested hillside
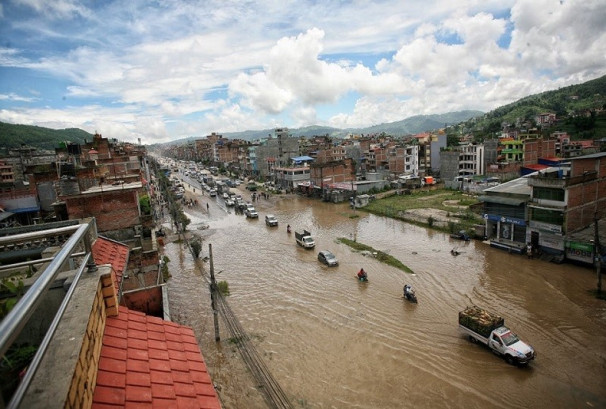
x,y
577,107
13,136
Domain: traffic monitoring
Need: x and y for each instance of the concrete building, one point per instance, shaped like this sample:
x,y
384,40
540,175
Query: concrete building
x,y
505,214
276,152
462,161
549,209
290,177
471,160
449,164
565,201
437,143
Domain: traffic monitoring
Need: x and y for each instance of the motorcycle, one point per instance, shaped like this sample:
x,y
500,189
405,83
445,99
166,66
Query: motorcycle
x,y
409,294
362,277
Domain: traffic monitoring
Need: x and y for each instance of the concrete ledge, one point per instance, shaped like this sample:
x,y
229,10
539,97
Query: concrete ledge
x,y
51,384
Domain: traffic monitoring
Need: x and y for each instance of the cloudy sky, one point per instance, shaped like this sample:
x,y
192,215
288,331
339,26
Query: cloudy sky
x,y
168,69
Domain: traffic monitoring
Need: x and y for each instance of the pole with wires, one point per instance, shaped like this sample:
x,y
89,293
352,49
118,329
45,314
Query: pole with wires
x,y
213,293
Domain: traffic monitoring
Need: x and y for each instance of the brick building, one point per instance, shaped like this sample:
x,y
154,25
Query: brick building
x,y
115,207
564,201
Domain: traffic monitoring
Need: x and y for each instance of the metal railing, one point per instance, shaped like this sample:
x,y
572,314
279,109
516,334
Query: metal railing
x,y
14,322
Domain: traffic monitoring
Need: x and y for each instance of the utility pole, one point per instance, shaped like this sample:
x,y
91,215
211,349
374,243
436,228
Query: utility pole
x,y
213,293
597,255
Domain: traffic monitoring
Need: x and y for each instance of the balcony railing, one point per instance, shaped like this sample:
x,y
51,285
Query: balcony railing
x,y
81,237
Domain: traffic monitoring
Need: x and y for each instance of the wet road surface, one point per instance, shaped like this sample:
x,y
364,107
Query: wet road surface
x,y
332,342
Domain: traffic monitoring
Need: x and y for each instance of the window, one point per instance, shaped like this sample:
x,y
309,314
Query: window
x,y
548,216
548,193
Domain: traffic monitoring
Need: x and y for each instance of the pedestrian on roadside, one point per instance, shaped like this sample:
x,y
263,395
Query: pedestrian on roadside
x,y
529,250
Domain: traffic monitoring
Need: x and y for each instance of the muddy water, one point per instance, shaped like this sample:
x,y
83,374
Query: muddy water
x,y
332,342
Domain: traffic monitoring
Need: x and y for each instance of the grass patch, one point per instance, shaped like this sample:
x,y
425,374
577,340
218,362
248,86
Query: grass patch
x,y
223,287
396,206
379,255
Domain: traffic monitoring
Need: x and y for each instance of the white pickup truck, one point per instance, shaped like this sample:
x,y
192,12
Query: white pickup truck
x,y
489,329
304,239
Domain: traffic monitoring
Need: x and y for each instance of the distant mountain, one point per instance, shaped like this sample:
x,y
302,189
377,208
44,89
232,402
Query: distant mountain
x,y
409,126
14,136
420,123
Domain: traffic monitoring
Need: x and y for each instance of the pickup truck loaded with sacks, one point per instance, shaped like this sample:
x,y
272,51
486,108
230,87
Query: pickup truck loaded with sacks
x,y
489,329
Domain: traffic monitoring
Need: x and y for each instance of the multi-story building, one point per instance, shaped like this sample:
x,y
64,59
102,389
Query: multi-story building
x,y
471,160
465,160
437,143
289,177
537,148
205,149
424,142
403,160
324,173
510,150
7,174
231,153
564,201
276,151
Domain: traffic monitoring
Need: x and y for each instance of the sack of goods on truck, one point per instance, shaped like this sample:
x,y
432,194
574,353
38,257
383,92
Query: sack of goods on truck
x,y
480,320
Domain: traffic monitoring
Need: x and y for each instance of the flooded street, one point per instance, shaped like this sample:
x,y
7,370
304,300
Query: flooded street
x,y
333,342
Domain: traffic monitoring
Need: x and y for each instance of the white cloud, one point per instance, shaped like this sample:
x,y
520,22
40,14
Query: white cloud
x,y
561,37
55,8
16,98
257,91
179,69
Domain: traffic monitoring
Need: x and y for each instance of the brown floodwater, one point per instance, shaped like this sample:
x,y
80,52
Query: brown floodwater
x,y
333,342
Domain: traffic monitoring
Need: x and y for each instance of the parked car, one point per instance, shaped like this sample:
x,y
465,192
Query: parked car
x,y
328,258
271,220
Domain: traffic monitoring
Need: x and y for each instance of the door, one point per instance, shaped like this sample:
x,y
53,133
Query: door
x,y
496,344
534,239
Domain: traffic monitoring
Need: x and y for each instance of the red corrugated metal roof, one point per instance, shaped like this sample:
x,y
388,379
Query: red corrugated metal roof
x,y
147,362
106,251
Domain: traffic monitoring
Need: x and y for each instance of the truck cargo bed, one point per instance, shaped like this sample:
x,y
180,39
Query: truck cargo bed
x,y
480,321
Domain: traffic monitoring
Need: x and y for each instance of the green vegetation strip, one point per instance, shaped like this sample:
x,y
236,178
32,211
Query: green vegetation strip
x,y
379,255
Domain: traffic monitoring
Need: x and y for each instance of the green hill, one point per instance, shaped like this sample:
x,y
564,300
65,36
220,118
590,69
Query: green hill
x,y
14,136
568,103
